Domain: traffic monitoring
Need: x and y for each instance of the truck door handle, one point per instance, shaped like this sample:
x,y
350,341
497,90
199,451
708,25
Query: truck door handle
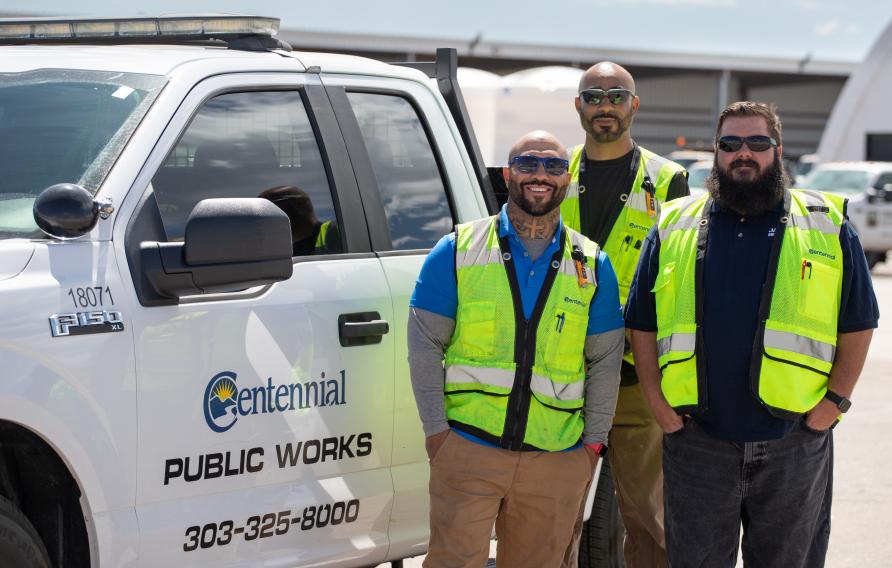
x,y
362,328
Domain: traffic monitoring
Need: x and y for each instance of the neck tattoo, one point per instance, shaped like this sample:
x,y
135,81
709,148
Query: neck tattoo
x,y
533,226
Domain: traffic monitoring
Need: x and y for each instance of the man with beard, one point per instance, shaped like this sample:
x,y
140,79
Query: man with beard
x,y
515,339
615,197
751,314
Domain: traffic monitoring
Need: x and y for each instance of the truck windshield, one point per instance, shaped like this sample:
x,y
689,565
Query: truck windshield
x,y
63,125
839,181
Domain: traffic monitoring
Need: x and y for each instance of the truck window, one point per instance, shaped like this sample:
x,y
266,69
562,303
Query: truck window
x,y
412,187
255,144
884,180
63,126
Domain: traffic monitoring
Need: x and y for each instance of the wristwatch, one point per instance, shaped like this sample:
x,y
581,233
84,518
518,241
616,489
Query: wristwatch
x,y
841,402
600,449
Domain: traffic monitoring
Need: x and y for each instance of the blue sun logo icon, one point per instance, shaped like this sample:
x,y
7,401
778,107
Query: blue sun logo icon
x,y
220,409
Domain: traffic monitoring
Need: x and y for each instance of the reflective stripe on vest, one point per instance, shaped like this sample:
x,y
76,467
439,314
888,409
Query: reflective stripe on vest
x,y
482,377
515,383
797,338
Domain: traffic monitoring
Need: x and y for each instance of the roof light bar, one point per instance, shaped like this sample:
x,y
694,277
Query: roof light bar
x,y
192,27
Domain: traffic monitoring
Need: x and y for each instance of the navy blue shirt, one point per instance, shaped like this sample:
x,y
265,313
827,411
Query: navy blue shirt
x,y
736,263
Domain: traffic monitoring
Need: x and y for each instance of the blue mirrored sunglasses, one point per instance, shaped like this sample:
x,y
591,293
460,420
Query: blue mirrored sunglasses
x,y
529,165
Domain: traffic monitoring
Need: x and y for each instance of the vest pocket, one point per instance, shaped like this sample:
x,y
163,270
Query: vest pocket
x,y
478,328
564,351
817,288
625,259
664,295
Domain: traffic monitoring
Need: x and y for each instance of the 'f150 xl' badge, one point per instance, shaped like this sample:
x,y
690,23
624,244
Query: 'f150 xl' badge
x,y
83,323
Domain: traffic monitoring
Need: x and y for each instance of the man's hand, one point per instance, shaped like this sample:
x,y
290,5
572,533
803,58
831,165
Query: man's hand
x,y
432,443
822,416
644,345
668,420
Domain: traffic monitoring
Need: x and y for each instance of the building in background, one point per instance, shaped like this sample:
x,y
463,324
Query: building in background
x,y
860,127
511,88
532,86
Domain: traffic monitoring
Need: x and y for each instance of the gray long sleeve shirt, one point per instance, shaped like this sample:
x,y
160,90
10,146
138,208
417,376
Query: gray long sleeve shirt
x,y
430,333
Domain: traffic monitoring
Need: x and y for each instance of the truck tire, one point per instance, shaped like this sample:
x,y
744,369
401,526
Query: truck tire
x,y
601,544
20,545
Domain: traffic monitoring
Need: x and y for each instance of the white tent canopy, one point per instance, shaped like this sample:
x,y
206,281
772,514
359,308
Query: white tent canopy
x,y
546,79
503,109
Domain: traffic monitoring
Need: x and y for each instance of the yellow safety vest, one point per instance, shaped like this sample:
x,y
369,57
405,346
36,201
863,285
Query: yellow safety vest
x,y
642,209
796,338
516,383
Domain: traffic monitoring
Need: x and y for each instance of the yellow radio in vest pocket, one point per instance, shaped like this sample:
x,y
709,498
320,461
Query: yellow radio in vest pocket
x,y
818,290
478,333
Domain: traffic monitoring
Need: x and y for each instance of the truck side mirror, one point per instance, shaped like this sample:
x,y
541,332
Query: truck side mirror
x,y
230,244
65,211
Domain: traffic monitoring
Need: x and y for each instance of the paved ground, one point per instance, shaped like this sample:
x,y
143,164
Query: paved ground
x,y
862,500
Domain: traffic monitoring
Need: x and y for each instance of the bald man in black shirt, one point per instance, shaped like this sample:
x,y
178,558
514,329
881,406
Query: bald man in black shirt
x,y
614,199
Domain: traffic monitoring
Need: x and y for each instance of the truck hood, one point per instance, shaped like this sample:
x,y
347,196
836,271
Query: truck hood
x,y
14,257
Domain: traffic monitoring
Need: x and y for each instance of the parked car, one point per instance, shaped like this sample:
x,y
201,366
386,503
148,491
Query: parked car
x,y
697,174
868,185
803,166
685,158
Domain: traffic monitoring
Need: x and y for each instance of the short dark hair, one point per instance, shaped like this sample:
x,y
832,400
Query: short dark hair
x,y
768,111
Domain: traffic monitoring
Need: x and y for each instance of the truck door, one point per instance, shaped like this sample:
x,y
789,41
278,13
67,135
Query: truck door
x,y
415,184
265,416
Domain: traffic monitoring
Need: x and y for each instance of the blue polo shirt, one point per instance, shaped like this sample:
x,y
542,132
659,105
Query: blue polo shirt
x,y
735,266
436,289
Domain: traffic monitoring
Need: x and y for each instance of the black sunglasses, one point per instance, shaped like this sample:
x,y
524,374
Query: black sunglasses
x,y
615,96
754,143
530,164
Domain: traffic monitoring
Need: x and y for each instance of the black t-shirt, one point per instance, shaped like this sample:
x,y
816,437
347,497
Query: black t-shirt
x,y
600,205
605,182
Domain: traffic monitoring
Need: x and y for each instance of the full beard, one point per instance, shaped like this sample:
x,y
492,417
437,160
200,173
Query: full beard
x,y
602,135
517,194
752,197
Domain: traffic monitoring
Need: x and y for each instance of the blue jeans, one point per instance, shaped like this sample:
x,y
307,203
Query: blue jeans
x,y
778,490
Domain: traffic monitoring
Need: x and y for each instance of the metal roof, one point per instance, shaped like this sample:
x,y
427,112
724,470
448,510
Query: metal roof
x,y
336,41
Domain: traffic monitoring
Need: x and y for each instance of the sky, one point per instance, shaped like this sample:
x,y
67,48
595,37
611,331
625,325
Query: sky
x,y
833,30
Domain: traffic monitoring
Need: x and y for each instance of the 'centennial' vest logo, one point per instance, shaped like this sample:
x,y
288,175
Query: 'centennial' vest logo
x,y
225,402
821,253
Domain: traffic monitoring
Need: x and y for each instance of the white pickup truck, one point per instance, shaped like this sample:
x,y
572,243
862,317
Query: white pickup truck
x,y
868,186
207,247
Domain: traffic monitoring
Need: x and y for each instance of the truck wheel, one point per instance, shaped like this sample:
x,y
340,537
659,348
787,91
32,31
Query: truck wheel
x,y
20,545
601,545
874,257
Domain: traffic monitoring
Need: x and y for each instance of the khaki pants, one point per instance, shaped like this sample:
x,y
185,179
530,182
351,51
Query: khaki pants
x,y
635,453
533,498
